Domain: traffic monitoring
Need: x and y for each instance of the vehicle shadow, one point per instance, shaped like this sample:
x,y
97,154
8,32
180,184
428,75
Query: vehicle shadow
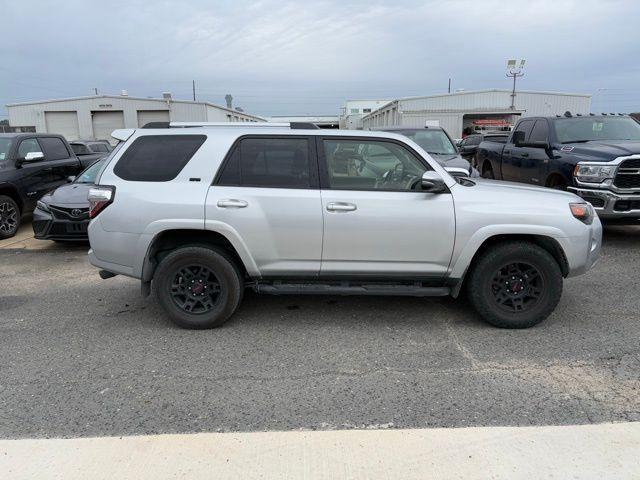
x,y
621,235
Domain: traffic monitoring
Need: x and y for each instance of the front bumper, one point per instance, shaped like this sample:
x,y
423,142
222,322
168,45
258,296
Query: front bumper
x,y
611,206
47,227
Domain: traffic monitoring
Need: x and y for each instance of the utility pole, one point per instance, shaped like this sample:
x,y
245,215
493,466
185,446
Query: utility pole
x,y
449,89
193,83
514,70
96,90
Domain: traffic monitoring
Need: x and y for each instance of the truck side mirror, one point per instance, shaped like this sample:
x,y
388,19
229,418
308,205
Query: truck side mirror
x,y
30,157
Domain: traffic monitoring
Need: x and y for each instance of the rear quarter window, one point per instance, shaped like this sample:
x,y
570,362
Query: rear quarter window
x,y
157,158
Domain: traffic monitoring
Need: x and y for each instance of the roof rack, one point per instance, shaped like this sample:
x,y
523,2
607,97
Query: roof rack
x,y
291,125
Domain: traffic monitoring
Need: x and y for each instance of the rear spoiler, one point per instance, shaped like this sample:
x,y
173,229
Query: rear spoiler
x,y
123,134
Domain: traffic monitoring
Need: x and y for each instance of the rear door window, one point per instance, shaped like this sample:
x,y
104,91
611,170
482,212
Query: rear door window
x,y
54,148
268,162
157,158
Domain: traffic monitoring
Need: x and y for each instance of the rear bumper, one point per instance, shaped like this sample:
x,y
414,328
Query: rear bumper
x,y
612,206
46,227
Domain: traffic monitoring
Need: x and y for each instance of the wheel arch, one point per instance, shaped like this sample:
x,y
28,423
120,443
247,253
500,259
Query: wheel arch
x,y
167,241
10,191
545,241
555,178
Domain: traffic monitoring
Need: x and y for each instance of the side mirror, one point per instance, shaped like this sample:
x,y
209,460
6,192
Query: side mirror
x,y
517,138
71,179
432,182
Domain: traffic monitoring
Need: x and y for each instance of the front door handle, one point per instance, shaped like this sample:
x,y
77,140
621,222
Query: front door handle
x,y
341,207
232,203
524,154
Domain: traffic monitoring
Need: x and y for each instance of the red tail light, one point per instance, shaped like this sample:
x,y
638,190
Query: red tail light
x,y
100,197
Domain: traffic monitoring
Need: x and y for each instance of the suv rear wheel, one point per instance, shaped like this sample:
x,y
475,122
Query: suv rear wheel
x,y
515,285
9,217
198,287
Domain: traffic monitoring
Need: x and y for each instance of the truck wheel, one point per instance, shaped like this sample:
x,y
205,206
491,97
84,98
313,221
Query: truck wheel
x,y
198,287
9,217
515,285
487,172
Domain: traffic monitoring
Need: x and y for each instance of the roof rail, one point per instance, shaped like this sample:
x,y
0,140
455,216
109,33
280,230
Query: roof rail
x,y
291,125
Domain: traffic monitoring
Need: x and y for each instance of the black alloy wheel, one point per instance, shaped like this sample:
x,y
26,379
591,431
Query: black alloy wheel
x,y
517,287
195,289
9,217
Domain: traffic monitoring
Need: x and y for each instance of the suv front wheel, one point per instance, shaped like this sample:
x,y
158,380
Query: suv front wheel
x,y
198,287
515,285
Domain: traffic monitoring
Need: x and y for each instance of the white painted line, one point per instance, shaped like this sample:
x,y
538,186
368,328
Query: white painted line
x,y
561,452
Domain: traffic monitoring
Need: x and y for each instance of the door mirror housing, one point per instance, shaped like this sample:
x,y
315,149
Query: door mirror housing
x,y
71,178
432,182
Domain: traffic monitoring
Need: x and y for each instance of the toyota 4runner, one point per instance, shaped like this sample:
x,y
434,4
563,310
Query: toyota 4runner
x,y
199,212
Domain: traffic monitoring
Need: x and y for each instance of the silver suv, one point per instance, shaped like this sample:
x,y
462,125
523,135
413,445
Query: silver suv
x,y
201,212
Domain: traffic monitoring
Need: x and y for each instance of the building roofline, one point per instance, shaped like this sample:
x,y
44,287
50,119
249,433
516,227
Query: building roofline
x,y
501,90
127,97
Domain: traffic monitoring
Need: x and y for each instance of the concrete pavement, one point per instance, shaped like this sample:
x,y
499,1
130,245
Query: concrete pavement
x,y
610,451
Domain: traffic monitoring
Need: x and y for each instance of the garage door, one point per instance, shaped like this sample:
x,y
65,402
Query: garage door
x,y
106,122
63,123
148,116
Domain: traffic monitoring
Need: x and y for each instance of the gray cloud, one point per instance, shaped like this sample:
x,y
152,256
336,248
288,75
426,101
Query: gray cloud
x,y
286,57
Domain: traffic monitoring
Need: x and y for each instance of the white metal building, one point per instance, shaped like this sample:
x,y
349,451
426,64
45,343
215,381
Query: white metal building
x,y
353,111
322,121
458,111
95,117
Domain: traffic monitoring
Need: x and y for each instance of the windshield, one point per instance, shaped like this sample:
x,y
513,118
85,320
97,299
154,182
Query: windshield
x,y
80,149
433,141
572,130
89,174
5,145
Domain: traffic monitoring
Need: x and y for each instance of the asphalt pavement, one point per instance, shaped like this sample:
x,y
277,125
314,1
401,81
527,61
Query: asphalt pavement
x,y
81,356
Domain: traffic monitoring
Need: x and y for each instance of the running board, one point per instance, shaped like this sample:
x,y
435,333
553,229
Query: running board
x,y
344,288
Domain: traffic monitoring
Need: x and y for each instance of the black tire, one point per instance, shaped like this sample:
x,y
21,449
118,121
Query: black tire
x,y
487,172
9,217
526,298
181,282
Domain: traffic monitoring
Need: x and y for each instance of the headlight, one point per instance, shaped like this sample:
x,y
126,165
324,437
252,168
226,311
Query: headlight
x,y
594,173
42,206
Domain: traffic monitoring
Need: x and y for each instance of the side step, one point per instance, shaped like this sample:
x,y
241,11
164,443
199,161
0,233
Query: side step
x,y
345,288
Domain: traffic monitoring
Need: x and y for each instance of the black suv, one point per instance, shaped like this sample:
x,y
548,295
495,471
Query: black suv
x,y
31,164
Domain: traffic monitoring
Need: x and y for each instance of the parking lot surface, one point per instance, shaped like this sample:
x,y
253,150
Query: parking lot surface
x,y
82,356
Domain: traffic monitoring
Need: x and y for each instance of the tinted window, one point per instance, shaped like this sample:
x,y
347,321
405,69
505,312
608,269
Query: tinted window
x,y
80,149
540,132
99,147
54,148
28,146
371,165
268,162
5,145
525,126
157,158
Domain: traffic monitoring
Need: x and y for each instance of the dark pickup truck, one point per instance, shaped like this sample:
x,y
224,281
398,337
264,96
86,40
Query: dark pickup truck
x,y
594,156
31,164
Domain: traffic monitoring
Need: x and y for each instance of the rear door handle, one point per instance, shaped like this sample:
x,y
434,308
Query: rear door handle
x,y
506,151
525,154
341,207
232,203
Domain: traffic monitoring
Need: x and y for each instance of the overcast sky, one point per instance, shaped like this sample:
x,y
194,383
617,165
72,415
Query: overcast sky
x,y
306,57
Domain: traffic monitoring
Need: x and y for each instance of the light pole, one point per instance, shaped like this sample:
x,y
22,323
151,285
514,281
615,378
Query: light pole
x,y
514,70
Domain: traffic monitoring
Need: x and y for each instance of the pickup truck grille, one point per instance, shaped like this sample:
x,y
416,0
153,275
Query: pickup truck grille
x,y
628,175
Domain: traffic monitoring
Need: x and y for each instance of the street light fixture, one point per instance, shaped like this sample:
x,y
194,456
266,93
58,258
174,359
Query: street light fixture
x,y
515,70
